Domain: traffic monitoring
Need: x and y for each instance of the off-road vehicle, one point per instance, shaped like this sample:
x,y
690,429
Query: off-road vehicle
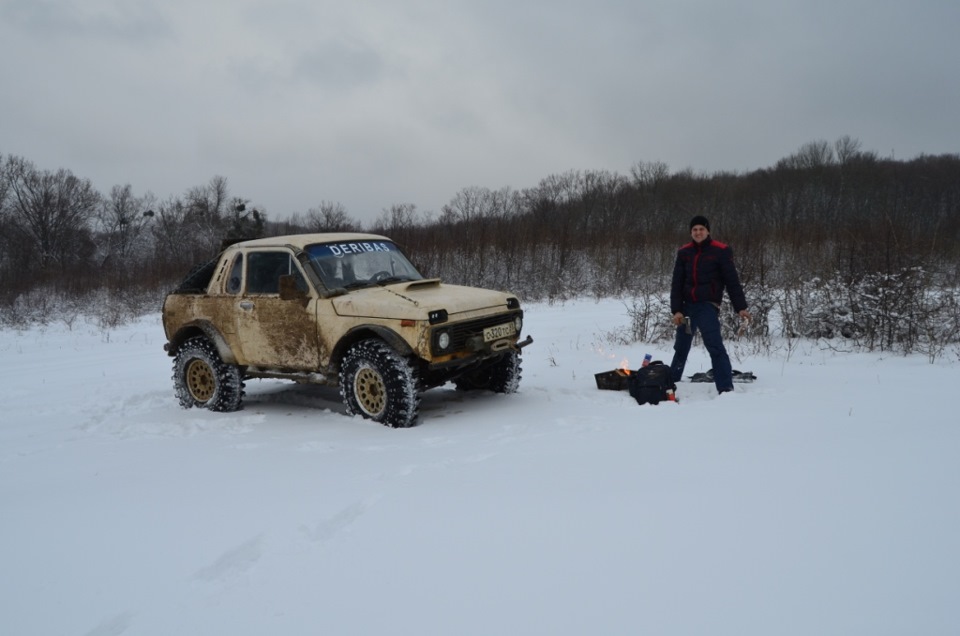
x,y
347,310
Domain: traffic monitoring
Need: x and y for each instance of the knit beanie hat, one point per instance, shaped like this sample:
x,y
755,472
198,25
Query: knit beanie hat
x,y
700,220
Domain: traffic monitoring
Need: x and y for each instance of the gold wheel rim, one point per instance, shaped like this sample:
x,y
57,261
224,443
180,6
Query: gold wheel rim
x,y
370,391
200,380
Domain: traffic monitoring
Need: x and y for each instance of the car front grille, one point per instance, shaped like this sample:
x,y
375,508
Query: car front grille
x,y
461,332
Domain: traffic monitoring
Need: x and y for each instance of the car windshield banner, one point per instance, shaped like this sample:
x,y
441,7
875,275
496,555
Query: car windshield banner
x,y
340,250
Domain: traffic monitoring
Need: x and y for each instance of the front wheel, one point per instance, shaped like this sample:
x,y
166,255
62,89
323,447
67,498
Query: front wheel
x,y
502,376
379,384
201,378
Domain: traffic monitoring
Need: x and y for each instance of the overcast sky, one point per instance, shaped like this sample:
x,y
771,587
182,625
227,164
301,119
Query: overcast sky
x,y
375,102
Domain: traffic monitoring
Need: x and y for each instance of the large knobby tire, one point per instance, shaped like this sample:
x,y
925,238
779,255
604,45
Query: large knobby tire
x,y
503,376
202,379
379,384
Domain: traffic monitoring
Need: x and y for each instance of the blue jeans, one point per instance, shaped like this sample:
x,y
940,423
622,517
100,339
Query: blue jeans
x,y
704,317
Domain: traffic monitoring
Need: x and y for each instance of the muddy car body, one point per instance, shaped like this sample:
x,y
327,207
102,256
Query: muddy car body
x,y
348,310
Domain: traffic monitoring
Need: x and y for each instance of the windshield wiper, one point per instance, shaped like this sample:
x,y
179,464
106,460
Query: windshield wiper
x,y
393,279
357,284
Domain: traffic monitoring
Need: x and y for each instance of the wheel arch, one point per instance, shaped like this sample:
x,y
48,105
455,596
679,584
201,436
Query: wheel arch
x,y
206,329
365,332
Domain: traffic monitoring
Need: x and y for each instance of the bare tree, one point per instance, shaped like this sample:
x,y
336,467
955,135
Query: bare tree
x,y
245,222
469,204
208,201
4,186
329,216
50,212
649,173
814,154
172,236
398,218
846,148
123,221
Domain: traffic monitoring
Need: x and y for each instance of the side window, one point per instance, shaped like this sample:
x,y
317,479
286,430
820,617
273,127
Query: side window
x,y
236,275
298,278
264,270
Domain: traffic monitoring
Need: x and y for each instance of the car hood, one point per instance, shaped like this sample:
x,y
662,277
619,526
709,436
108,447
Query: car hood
x,y
413,300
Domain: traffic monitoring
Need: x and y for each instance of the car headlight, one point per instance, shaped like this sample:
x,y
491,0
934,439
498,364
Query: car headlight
x,y
443,340
518,322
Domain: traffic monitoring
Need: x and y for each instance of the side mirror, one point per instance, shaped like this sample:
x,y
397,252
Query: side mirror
x,y
290,291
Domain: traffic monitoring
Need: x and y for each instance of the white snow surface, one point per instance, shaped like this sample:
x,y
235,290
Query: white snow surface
x,y
821,499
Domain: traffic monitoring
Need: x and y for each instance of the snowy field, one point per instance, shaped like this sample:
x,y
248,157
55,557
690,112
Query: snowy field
x,y
822,499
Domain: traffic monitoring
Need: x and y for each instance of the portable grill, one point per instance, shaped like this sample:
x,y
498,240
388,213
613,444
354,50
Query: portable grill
x,y
615,380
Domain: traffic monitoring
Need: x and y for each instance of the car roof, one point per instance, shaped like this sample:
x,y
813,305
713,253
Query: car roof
x,y
302,240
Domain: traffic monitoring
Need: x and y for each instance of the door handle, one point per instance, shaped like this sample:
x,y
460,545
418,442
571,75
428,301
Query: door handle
x,y
246,304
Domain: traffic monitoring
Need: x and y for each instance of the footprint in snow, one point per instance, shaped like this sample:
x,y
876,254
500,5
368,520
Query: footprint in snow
x,y
329,528
114,626
232,562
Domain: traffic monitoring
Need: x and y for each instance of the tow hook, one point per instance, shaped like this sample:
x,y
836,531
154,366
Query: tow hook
x,y
528,341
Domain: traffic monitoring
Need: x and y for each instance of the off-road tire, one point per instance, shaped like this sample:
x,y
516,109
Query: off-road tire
x,y
202,379
379,384
503,376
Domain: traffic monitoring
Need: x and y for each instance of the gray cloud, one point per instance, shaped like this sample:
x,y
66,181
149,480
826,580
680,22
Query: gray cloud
x,y
339,65
63,18
377,103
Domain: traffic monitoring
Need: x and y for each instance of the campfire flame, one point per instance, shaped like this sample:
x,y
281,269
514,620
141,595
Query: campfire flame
x,y
624,367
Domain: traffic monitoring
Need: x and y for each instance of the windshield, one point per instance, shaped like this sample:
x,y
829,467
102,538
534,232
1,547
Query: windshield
x,y
361,264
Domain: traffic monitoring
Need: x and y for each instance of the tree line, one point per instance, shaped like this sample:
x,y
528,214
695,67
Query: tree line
x,y
829,216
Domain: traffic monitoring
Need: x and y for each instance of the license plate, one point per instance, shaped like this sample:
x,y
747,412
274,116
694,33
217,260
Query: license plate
x,y
500,331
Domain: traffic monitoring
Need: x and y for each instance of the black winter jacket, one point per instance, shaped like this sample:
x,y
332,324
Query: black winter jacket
x,y
702,272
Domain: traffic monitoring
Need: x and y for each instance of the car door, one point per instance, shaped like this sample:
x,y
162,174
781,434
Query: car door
x,y
275,333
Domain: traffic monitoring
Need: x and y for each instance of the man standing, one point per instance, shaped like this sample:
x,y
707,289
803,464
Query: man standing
x,y
704,268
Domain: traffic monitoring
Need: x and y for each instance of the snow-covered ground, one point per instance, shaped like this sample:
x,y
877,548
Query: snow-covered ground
x,y
822,499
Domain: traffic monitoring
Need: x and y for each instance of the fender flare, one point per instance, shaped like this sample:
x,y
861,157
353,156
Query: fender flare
x,y
363,332
204,328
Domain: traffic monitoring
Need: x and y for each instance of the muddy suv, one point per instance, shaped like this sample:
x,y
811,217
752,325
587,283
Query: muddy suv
x,y
347,310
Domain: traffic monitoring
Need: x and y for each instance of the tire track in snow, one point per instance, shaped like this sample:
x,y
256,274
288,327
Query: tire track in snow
x,y
113,626
233,562
330,528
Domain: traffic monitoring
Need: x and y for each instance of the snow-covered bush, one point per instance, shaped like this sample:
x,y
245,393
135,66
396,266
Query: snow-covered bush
x,y
905,312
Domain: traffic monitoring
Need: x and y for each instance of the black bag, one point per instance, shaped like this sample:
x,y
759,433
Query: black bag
x,y
650,384
738,376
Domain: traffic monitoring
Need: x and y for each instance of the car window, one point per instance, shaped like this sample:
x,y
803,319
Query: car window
x,y
234,282
264,270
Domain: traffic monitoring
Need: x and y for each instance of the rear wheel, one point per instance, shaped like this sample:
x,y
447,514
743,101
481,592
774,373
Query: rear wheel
x,y
379,384
201,378
502,376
